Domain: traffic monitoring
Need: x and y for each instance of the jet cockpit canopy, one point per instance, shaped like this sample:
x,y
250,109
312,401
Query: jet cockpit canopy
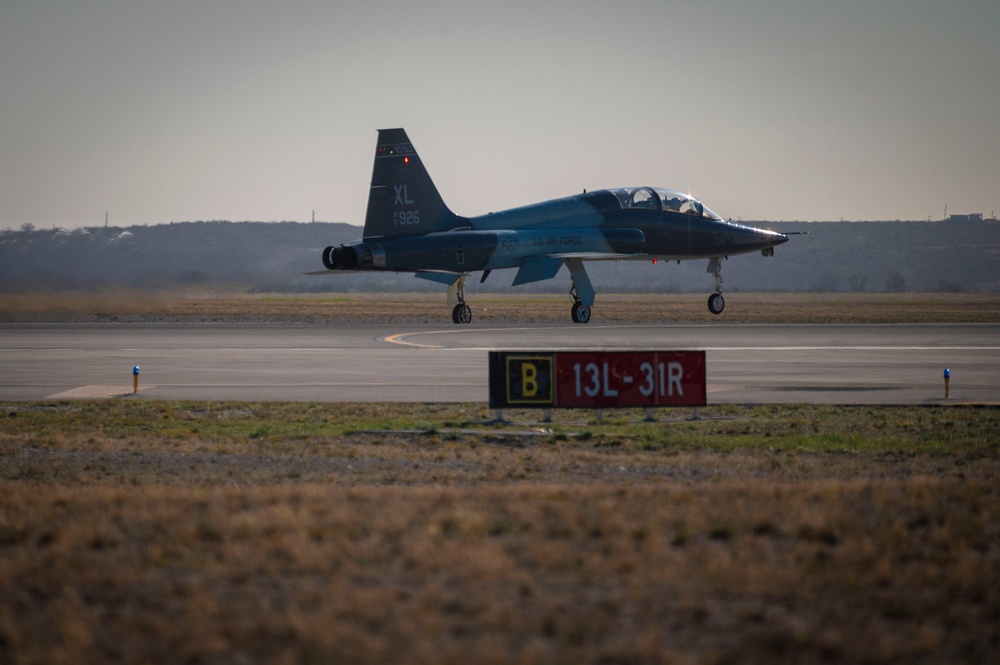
x,y
666,200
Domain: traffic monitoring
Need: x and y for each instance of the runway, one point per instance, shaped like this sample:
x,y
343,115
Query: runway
x,y
754,364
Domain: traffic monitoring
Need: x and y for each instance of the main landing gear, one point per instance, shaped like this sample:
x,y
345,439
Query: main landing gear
x,y
460,313
716,303
581,291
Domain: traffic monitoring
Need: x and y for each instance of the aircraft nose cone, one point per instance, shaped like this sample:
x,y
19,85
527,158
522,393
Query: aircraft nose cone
x,y
768,240
771,238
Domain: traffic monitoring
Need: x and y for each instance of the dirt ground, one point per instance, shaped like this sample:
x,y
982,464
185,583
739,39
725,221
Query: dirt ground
x,y
140,531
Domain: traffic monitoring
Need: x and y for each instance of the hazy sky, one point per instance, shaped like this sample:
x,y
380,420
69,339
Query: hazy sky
x,y
254,110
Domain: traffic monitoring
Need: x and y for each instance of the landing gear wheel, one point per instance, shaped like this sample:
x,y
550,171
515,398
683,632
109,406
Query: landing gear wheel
x,y
461,313
716,303
581,312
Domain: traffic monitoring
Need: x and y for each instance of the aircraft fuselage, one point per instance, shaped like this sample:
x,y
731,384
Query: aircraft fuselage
x,y
587,225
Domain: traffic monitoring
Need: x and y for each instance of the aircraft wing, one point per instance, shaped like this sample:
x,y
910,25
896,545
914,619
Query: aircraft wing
x,y
540,267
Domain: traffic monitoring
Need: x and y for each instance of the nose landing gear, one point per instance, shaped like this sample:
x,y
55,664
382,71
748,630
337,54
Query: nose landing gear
x,y
716,303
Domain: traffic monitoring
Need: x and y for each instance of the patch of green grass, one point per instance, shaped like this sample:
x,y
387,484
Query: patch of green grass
x,y
962,431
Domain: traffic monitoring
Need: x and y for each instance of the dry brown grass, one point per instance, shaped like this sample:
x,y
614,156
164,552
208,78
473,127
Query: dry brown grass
x,y
863,571
138,532
128,306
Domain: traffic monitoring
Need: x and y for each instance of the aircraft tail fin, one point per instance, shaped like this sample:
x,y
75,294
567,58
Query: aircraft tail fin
x,y
403,200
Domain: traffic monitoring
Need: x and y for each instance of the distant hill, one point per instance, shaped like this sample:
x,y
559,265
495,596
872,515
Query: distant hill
x,y
258,256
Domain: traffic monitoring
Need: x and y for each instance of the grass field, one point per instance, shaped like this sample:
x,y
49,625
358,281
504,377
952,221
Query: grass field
x,y
140,531
141,306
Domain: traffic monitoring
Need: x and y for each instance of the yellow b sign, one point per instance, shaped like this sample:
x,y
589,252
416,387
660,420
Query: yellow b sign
x,y
529,379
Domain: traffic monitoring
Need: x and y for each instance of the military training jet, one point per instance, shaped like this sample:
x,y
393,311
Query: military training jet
x,y
408,228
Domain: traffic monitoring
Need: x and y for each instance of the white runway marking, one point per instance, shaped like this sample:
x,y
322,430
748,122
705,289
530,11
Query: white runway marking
x,y
401,339
97,392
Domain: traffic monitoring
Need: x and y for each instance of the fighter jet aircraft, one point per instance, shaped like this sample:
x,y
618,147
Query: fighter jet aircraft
x,y
408,228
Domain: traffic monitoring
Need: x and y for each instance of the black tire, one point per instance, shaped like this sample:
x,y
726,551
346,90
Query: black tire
x,y
580,313
461,314
716,303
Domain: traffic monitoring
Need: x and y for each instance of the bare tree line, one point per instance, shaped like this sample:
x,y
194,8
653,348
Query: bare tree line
x,y
889,257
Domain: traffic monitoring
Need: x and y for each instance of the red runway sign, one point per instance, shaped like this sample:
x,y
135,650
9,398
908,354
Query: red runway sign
x,y
597,379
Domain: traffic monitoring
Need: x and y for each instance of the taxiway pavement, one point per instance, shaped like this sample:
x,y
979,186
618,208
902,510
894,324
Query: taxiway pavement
x,y
756,364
